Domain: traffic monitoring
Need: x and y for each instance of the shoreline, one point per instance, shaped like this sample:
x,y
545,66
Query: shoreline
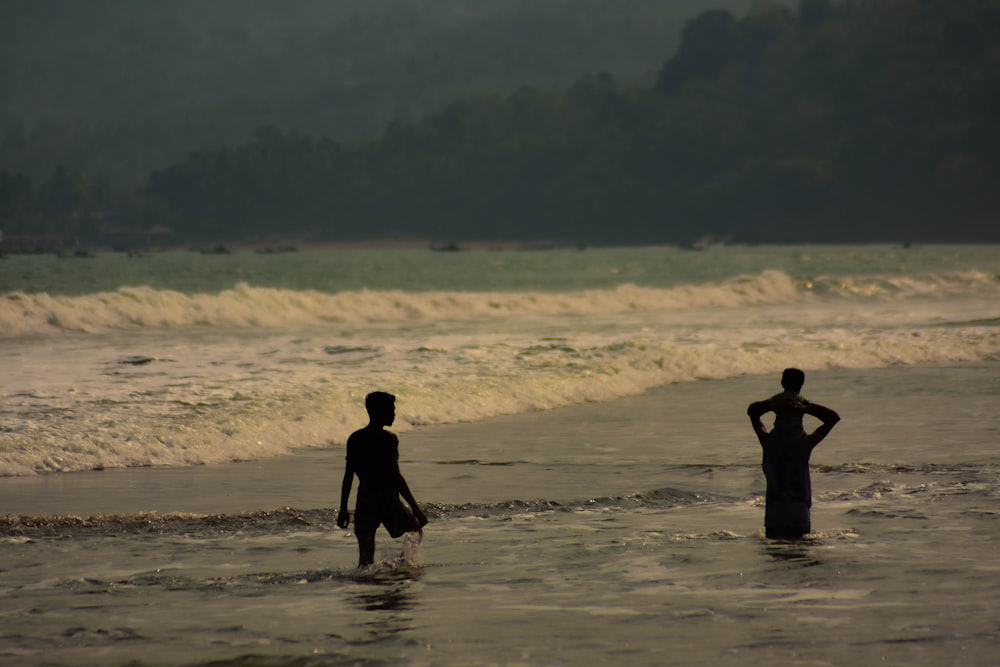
x,y
280,246
309,478
291,246
292,480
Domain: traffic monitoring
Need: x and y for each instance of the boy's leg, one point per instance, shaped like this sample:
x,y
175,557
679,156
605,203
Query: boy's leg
x,y
366,548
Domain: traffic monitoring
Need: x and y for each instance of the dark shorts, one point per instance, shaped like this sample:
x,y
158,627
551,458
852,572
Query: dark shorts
x,y
388,512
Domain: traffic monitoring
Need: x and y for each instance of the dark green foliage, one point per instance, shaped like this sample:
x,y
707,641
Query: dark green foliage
x,y
710,43
120,87
814,14
872,120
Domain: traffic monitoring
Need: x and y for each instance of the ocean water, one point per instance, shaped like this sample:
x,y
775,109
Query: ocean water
x,y
573,420
182,358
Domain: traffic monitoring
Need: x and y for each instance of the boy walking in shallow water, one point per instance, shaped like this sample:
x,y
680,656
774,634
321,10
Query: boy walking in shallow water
x,y
373,455
787,449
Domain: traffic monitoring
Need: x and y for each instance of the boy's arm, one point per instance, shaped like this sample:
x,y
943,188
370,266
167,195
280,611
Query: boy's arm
x,y
344,516
825,415
404,490
755,412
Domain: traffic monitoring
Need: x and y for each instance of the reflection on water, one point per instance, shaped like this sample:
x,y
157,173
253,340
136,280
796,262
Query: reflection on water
x,y
384,598
795,553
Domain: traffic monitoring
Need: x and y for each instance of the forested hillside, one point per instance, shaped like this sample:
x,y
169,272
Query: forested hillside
x,y
869,120
114,88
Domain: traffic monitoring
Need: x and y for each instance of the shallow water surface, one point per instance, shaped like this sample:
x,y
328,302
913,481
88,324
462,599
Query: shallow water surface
x,y
619,532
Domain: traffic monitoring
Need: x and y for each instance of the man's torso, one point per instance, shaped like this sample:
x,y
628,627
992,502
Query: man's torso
x,y
373,454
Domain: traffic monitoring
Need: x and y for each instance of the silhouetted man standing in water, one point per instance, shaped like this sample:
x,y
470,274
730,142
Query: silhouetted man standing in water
x,y
373,455
786,455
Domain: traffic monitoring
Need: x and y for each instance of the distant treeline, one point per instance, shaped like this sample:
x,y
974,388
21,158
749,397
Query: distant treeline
x,y
116,88
869,120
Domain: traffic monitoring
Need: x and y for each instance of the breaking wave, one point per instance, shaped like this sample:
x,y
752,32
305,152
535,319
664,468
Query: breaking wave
x,y
246,306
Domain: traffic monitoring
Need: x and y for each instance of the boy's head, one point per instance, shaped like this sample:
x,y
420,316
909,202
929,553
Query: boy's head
x,y
792,379
381,407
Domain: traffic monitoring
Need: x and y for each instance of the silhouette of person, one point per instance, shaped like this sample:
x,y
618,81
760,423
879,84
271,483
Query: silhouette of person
x,y
787,449
373,455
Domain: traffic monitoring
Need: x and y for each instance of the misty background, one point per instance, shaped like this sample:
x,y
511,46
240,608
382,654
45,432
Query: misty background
x,y
577,121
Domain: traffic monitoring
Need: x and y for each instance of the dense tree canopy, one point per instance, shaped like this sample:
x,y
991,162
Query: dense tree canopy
x,y
869,120
115,88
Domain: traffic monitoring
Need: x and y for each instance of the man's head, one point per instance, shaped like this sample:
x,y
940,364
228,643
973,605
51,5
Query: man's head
x,y
792,379
381,407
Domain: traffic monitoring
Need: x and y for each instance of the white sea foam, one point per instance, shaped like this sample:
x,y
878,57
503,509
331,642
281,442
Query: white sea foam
x,y
245,306
231,399
140,376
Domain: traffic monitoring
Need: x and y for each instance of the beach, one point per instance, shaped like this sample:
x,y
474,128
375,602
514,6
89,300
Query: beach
x,y
623,530
573,421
